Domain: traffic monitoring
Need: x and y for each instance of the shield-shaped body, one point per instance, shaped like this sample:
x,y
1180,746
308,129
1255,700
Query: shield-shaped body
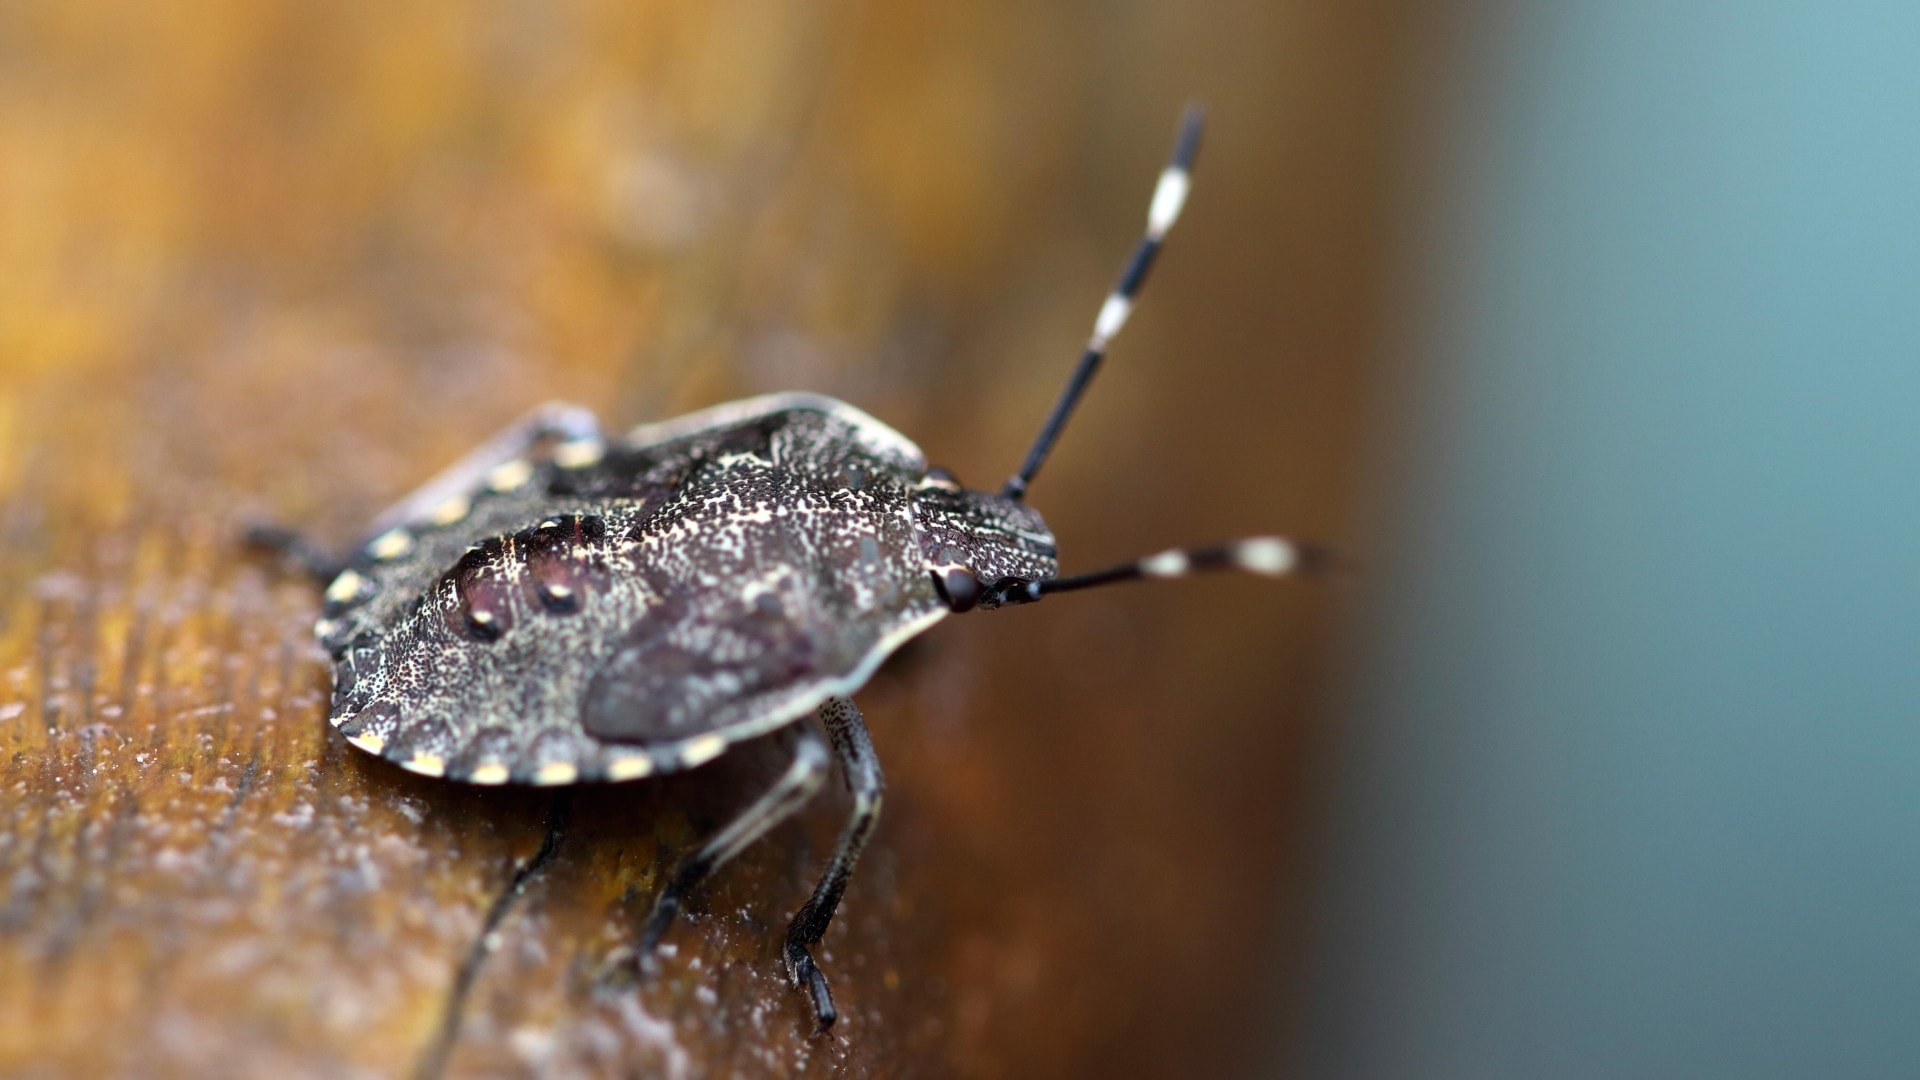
x,y
588,610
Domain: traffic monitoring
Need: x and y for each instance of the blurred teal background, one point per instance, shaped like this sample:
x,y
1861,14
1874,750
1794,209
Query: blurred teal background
x,y
1633,782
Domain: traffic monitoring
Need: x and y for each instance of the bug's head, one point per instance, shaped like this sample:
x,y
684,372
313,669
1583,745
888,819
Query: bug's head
x,y
974,540
986,549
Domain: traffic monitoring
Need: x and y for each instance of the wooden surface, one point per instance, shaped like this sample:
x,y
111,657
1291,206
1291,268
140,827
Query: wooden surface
x,y
286,261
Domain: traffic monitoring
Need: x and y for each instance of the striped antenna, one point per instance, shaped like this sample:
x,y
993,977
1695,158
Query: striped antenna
x,y
1168,197
1269,556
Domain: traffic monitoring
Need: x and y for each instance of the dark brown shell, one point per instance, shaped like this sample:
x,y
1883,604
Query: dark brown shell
x,y
613,611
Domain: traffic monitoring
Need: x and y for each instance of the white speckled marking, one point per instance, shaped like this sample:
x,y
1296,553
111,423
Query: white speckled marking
x,y
450,511
699,751
509,477
391,544
579,453
728,461
556,773
629,768
345,587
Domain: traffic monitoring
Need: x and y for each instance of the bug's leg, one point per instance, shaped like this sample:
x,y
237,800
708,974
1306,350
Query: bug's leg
x,y
552,421
294,548
854,748
789,793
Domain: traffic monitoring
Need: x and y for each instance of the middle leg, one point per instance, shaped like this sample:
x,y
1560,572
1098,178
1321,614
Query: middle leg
x,y
789,793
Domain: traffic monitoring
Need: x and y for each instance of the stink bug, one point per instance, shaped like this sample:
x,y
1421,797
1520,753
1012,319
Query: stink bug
x,y
562,607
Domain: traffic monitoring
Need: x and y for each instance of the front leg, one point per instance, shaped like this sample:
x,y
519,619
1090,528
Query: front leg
x,y
854,748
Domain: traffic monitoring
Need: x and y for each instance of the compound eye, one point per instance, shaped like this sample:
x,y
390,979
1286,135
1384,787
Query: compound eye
x,y
939,477
957,586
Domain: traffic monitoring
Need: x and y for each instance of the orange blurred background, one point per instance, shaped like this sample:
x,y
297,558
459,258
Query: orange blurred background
x,y
287,260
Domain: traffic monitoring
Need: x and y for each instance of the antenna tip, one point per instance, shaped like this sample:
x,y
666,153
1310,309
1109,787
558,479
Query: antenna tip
x,y
1193,121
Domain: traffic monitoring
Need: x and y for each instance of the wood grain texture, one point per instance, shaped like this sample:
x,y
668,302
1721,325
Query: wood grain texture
x,y
285,261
